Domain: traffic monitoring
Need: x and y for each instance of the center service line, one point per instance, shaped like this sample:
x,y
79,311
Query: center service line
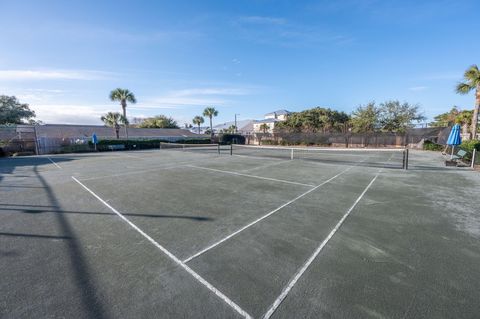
x,y
300,272
264,216
170,255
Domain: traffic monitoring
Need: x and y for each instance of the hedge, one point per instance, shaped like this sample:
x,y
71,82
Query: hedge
x,y
470,145
132,144
430,146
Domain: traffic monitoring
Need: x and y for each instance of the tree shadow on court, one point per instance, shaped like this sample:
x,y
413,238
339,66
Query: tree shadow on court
x,y
9,165
51,209
81,270
33,236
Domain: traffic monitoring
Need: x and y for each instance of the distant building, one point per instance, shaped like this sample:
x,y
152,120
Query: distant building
x,y
244,127
271,120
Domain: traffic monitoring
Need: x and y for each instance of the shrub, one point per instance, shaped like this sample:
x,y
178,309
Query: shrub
x,y
132,144
430,146
470,145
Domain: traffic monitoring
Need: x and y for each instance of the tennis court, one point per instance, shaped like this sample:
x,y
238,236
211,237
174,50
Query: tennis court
x,y
220,232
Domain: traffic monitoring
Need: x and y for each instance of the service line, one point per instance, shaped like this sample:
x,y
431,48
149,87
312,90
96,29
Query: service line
x,y
265,216
249,175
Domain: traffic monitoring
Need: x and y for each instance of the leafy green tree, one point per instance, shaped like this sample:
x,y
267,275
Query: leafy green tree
x,y
397,117
210,112
471,82
14,112
264,127
158,121
114,119
365,118
446,119
314,120
198,120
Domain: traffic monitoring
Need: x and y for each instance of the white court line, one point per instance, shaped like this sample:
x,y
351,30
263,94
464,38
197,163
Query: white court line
x,y
264,216
259,156
170,255
54,163
300,272
180,164
248,175
264,166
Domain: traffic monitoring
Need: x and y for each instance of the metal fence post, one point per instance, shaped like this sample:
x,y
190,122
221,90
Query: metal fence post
x,y
474,157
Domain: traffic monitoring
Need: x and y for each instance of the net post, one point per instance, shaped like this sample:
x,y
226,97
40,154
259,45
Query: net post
x,y
291,154
474,157
405,164
218,148
231,149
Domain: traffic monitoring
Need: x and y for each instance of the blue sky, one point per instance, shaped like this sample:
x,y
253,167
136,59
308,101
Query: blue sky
x,y
246,57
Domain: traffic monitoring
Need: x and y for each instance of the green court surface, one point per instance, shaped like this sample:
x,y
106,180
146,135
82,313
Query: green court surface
x,y
180,234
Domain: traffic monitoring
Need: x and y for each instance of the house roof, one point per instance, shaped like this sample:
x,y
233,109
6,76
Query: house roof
x,y
68,131
279,112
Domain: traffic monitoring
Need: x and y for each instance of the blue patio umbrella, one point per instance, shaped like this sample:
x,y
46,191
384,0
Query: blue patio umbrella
x,y
95,140
454,138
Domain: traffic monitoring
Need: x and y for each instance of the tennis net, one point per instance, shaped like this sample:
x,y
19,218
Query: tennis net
x,y
201,148
389,158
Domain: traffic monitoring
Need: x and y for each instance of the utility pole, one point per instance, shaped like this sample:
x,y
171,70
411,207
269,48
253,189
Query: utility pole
x,y
236,128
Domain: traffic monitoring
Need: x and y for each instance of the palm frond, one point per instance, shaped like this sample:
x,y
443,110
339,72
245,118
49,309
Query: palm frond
x,y
210,111
472,73
120,94
463,88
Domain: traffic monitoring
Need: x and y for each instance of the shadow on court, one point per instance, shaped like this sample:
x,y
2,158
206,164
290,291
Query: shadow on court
x,y
82,274
49,209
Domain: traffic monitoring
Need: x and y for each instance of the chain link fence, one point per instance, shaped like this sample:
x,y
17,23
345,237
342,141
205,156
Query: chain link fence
x,y
413,138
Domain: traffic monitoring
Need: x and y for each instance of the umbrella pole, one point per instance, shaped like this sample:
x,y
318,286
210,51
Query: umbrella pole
x,y
453,148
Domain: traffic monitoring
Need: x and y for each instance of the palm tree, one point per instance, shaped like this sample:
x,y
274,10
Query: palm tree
x,y
264,127
210,112
472,82
198,120
113,119
124,96
464,118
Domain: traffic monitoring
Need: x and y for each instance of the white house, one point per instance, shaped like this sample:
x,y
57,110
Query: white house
x,y
271,119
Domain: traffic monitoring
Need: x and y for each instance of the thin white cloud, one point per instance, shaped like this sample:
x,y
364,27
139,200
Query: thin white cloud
x,y
71,113
418,88
199,96
19,75
89,114
51,105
